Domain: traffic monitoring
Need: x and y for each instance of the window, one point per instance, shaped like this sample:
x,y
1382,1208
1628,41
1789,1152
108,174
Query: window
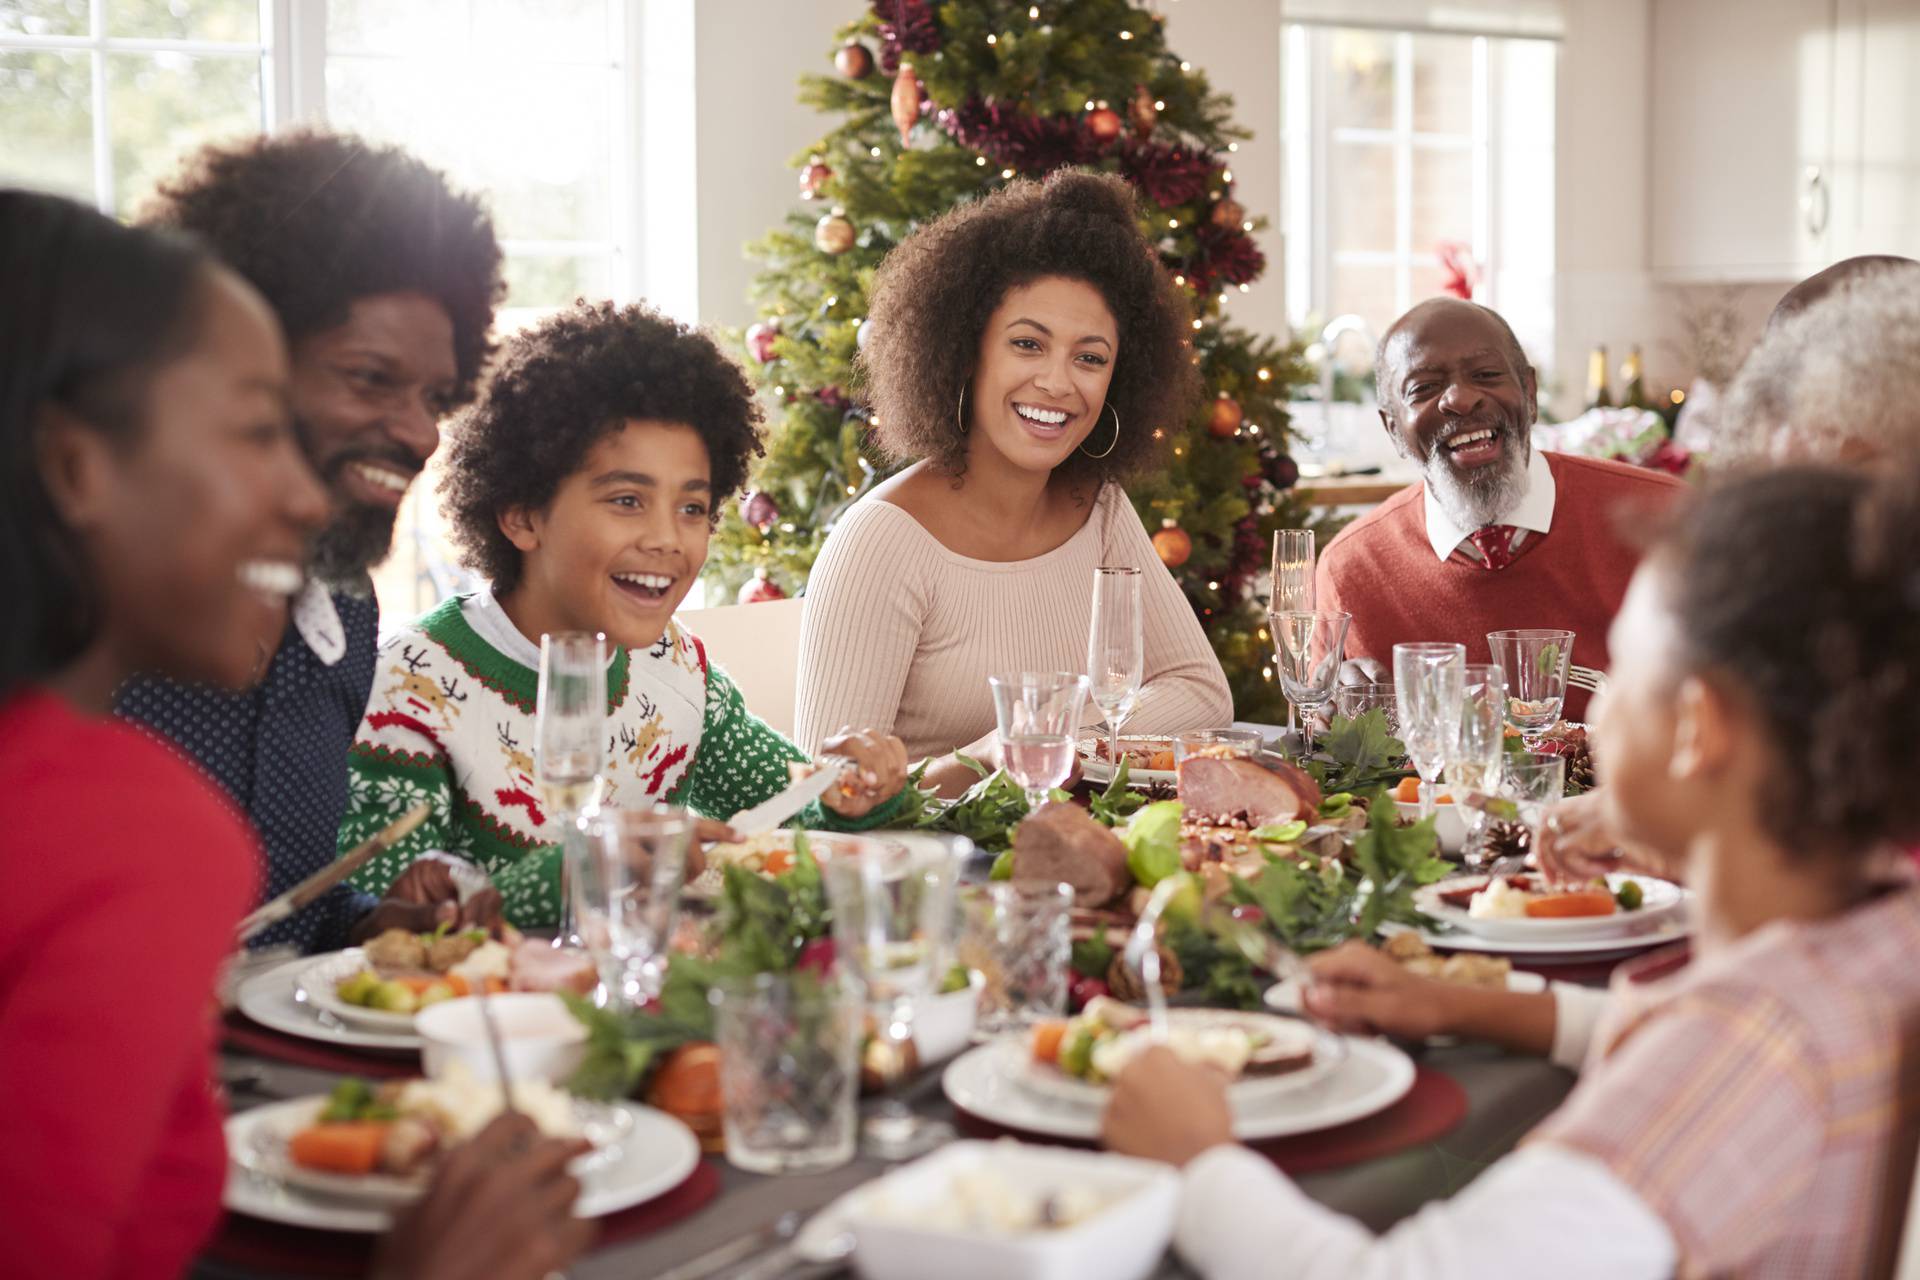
x,y
1404,146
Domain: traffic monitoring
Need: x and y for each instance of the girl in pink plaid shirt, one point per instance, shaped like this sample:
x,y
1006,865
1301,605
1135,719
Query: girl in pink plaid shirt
x,y
1743,1115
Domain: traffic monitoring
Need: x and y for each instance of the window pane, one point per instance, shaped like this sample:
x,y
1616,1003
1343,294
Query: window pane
x,y
545,281
541,152
535,29
46,131
382,26
1442,199
1428,278
161,106
1360,79
44,17
1366,289
237,20
1443,84
1360,195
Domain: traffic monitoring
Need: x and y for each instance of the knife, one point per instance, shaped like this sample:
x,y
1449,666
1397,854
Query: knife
x,y
768,814
313,886
718,1259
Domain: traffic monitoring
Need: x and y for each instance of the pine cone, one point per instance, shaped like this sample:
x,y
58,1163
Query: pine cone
x,y
1157,790
1570,742
1123,980
1507,840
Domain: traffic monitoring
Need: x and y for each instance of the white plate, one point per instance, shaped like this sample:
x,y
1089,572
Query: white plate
x,y
1659,934
323,974
656,1156
1094,768
1252,1090
1284,996
274,999
1661,900
1372,1077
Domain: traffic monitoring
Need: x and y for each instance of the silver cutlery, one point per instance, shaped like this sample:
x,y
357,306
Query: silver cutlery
x,y
1591,679
719,1258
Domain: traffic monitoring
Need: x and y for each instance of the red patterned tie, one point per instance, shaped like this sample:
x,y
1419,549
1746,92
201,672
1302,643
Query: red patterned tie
x,y
1495,543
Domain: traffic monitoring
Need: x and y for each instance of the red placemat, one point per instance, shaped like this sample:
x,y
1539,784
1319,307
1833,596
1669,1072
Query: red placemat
x,y
302,1251
1432,1107
240,1032
1641,966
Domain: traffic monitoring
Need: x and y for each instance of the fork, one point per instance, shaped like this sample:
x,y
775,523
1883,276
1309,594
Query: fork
x,y
1143,955
1589,678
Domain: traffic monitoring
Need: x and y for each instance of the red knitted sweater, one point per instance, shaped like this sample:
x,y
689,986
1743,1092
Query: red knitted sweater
x,y
1382,570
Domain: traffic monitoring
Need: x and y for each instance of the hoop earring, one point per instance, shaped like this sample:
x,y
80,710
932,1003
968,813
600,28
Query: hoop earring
x,y
960,418
1116,436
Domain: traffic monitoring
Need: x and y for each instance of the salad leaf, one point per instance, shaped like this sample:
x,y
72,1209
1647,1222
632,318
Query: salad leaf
x,y
1226,979
1280,833
1002,868
1092,957
1393,861
1357,753
1152,837
1114,804
986,813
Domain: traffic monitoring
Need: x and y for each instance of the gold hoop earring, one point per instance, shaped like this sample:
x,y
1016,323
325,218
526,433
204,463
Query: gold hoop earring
x,y
1116,437
959,417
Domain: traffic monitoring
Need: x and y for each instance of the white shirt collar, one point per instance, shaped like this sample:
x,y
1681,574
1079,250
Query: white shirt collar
x,y
1534,513
490,622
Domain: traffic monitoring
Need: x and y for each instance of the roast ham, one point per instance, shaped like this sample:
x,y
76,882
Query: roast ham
x,y
1061,843
1228,789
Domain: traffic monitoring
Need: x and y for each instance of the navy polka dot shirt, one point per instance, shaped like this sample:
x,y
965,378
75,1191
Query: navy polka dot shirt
x,y
280,750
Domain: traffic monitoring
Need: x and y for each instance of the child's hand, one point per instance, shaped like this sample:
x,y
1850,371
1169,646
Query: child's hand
x,y
1166,1109
879,770
1357,989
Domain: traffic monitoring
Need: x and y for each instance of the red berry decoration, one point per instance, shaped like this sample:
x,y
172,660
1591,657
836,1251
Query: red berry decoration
x,y
1223,416
759,589
1172,544
1104,123
854,61
760,340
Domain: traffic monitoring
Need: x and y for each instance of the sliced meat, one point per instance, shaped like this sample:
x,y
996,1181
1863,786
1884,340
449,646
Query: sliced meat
x,y
1224,788
1059,842
408,1144
539,966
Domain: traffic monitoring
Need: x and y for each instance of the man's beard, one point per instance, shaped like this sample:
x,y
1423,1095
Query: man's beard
x,y
1482,496
360,534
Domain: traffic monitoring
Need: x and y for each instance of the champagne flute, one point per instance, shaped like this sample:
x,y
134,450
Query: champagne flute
x,y
1292,583
1116,650
1474,769
893,923
628,883
1039,714
1535,662
1427,685
570,726
1307,648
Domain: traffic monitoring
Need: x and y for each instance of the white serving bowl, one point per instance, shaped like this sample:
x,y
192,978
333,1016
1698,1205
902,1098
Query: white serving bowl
x,y
1449,823
538,1037
1123,1240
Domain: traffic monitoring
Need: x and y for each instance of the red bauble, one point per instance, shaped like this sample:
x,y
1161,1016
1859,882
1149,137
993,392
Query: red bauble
x,y
1104,124
812,178
1172,544
854,61
760,588
760,340
1223,416
760,511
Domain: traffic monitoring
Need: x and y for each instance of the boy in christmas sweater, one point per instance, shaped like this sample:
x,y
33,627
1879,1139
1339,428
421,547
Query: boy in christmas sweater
x,y
582,486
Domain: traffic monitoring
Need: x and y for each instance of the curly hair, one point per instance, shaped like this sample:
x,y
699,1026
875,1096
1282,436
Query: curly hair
x,y
934,293
564,385
1835,676
315,220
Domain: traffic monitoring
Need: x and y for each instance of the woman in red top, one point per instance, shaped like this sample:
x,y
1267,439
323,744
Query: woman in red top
x,y
153,511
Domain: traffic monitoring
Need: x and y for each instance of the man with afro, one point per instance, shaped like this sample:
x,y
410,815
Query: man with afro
x,y
385,280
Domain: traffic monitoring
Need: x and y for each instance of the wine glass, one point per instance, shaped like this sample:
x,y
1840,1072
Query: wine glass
x,y
1535,662
1116,650
1039,714
628,883
1427,684
1474,768
893,922
570,745
1307,648
1536,781
1355,700
1292,585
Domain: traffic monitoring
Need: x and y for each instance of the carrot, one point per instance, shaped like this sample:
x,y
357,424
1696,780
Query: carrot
x,y
1408,792
350,1147
779,862
458,983
495,985
418,982
1047,1038
1577,902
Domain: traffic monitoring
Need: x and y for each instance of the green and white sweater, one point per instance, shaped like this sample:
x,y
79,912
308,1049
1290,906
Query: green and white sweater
x,y
451,722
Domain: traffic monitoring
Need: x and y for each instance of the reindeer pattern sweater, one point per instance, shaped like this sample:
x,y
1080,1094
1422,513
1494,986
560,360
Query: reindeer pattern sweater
x,y
451,722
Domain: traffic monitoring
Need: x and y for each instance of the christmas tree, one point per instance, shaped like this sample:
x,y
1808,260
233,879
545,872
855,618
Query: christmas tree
x,y
940,104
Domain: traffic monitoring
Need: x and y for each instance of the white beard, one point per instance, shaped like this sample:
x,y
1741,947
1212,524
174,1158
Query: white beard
x,y
1477,505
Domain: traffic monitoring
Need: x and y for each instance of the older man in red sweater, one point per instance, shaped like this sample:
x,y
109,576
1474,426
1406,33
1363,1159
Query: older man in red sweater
x,y
1499,534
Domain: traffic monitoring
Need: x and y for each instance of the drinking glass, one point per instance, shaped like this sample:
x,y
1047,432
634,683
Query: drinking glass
x,y
1039,714
1427,686
1474,770
1232,742
1536,781
570,725
1292,584
789,1070
1307,649
1116,650
893,917
1535,662
628,887
1015,934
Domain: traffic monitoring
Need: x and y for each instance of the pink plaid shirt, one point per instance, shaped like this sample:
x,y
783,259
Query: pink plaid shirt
x,y
1753,1100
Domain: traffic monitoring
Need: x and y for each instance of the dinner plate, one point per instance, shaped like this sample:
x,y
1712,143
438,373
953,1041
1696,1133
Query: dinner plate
x,y
1371,1077
1095,768
1249,1090
1284,995
707,885
655,1155
320,979
275,999
1661,899
1658,934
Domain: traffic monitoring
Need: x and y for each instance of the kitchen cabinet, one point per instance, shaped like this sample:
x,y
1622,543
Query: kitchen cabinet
x,y
1876,147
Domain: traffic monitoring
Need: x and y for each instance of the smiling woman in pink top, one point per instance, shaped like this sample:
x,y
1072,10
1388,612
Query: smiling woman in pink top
x,y
1024,351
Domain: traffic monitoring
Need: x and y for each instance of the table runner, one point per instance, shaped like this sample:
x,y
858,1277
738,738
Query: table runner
x,y
274,1248
1433,1106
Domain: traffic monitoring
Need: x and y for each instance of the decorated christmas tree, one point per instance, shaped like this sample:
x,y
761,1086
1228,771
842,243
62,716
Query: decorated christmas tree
x,y
937,104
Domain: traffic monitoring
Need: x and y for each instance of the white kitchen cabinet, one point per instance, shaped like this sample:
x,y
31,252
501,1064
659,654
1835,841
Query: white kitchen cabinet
x,y
1876,149
1742,123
